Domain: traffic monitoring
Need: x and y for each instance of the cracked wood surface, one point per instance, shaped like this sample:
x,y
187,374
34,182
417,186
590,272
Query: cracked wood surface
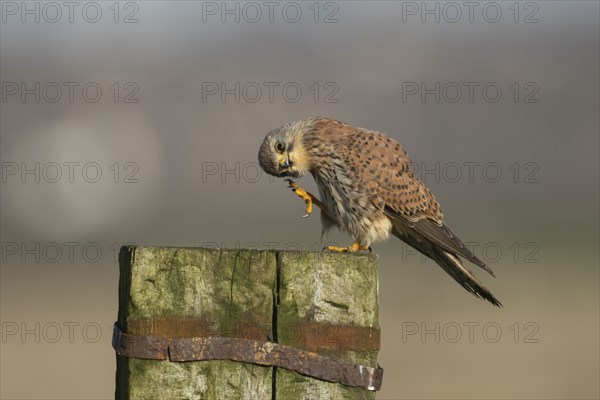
x,y
234,293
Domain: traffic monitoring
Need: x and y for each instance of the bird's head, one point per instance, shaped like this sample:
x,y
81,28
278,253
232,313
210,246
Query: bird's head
x,y
283,152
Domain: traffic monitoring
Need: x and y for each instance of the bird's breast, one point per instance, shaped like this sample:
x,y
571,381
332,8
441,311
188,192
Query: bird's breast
x,y
350,209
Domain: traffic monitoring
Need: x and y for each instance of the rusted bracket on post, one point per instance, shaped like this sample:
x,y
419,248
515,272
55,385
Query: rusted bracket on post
x,y
248,351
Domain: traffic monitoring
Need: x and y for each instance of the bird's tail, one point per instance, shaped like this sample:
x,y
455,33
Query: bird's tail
x,y
461,274
449,263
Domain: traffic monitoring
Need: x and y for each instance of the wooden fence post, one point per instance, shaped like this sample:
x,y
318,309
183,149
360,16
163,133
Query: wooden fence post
x,y
328,303
320,302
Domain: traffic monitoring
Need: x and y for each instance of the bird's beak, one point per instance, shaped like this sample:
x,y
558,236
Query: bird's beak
x,y
286,161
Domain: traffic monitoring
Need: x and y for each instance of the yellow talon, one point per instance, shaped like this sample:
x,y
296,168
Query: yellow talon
x,y
308,208
356,246
303,195
337,249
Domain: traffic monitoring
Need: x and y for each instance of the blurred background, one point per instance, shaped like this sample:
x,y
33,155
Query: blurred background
x,y
140,122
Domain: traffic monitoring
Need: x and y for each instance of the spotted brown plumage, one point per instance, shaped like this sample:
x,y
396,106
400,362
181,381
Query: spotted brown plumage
x,y
367,188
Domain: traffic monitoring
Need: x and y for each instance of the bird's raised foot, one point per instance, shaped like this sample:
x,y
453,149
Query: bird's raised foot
x,y
304,195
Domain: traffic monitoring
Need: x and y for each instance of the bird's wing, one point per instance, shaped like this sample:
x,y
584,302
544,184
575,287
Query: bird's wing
x,y
383,167
416,208
438,233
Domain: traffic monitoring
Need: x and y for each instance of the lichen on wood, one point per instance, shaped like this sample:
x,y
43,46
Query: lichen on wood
x,y
321,302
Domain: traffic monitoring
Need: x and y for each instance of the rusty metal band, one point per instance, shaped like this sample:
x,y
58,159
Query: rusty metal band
x,y
247,351
307,335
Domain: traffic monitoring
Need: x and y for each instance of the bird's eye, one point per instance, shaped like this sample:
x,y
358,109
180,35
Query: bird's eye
x,y
280,147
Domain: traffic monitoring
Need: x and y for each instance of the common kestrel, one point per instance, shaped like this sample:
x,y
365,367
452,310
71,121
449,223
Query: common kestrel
x,y
367,189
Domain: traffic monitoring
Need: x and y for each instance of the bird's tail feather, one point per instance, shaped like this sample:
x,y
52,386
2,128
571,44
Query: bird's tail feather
x,y
461,274
449,263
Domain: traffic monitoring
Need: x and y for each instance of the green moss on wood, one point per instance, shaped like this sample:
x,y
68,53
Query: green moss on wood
x,y
227,289
231,290
328,289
